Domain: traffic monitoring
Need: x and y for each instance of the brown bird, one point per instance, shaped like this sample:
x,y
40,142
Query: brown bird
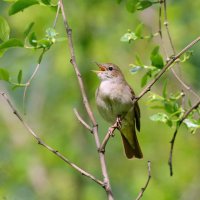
x,y
114,99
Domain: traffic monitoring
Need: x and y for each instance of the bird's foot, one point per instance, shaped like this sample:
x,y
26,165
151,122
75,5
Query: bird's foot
x,y
119,122
111,131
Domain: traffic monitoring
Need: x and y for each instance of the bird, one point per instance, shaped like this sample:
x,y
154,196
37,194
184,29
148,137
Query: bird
x,y
114,99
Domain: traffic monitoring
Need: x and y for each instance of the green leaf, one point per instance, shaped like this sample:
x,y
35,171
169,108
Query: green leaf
x,y
191,123
28,29
156,58
141,5
144,80
44,43
164,92
20,5
131,5
138,30
135,69
13,42
4,29
32,39
4,75
19,77
155,51
51,33
127,37
119,1
46,2
161,117
186,56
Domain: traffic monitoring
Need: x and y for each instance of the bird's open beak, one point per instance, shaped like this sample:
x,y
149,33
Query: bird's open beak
x,y
101,68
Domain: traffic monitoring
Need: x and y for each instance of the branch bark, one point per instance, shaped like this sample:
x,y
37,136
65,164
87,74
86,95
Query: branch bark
x,y
172,142
165,68
147,182
106,180
42,143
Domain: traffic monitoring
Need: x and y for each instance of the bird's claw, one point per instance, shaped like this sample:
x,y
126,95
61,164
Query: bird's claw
x,y
111,132
119,122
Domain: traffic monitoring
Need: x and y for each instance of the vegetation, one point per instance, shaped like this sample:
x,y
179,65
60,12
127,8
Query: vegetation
x,y
156,45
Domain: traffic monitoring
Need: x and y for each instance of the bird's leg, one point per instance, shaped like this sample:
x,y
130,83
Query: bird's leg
x,y
117,125
119,122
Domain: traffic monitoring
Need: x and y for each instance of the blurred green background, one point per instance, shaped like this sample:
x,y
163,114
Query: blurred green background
x,y
28,171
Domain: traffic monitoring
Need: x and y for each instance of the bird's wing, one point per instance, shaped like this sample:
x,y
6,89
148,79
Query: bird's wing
x,y
136,111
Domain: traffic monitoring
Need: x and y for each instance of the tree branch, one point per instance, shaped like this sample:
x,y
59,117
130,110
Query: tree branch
x,y
40,141
110,133
147,182
80,119
86,104
195,106
166,24
171,61
32,76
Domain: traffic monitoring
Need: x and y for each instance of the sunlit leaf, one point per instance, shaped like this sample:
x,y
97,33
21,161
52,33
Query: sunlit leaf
x,y
164,92
161,117
135,69
138,30
156,58
13,42
19,77
144,80
33,39
131,5
51,33
186,56
127,37
191,123
20,5
4,75
44,43
28,29
141,5
46,2
4,29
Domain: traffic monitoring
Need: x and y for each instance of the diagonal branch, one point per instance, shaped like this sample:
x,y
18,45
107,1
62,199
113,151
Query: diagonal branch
x,y
109,134
165,68
81,120
195,106
40,141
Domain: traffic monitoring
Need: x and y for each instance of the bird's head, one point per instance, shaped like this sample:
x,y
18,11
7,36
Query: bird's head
x,y
108,71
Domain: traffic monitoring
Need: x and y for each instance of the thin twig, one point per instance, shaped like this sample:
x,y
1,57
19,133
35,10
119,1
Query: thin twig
x,y
80,119
32,76
171,61
57,14
166,24
147,182
86,104
109,134
195,106
39,140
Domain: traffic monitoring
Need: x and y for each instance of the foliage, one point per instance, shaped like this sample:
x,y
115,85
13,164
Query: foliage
x,y
25,38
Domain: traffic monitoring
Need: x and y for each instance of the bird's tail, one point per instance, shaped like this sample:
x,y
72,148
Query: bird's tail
x,y
131,144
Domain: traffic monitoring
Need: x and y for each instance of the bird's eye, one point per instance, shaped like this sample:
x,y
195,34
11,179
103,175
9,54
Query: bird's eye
x,y
110,68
